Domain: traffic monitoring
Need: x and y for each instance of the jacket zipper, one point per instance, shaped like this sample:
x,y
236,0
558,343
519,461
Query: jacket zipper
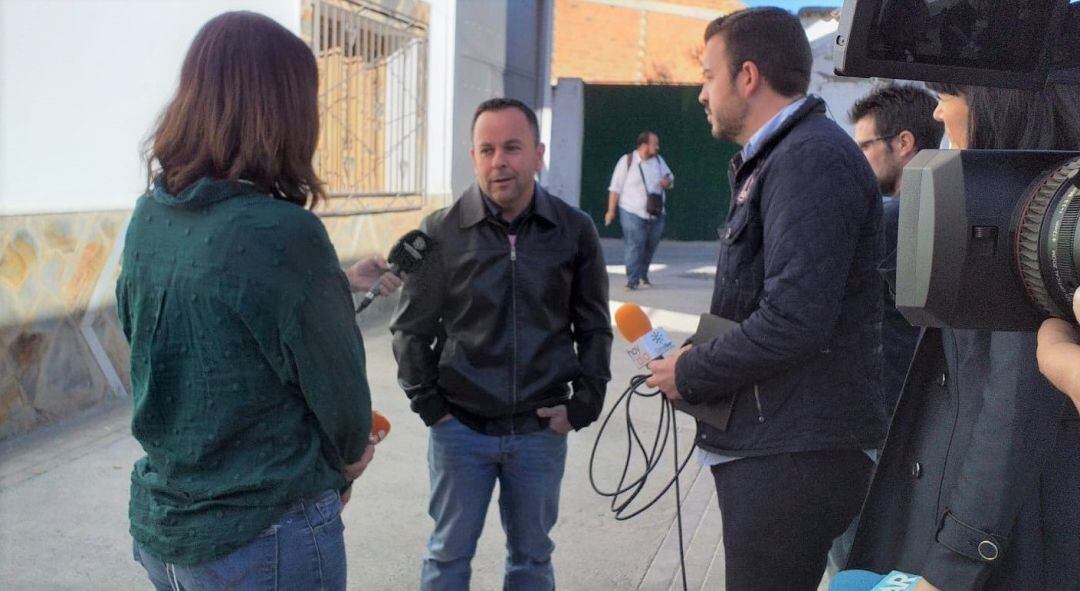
x,y
512,238
757,401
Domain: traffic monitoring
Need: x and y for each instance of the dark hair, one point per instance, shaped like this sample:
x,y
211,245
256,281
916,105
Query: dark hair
x,y
246,108
947,88
1010,119
501,104
773,39
898,108
643,138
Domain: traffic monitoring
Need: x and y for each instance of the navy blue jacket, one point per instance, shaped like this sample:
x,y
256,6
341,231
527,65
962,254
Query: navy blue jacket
x,y
798,270
978,487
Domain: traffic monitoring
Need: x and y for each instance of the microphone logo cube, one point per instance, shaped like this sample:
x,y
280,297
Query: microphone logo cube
x,y
651,345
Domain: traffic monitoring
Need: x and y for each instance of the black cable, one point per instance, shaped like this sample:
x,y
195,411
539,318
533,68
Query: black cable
x,y
678,492
666,430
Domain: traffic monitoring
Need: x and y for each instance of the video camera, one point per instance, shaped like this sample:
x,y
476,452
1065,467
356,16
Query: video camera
x,y
987,238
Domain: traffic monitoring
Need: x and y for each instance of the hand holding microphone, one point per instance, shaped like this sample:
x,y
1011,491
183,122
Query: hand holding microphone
x,y
372,273
663,374
406,256
380,428
650,347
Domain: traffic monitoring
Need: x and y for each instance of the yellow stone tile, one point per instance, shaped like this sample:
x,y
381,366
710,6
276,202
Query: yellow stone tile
x,y
17,259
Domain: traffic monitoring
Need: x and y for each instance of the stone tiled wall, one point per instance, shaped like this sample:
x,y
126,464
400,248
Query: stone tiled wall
x,y
61,346
50,268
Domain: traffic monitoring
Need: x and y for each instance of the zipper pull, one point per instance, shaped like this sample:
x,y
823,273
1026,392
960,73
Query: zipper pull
x,y
513,246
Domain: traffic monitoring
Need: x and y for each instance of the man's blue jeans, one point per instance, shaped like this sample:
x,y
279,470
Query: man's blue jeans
x,y
305,549
640,236
464,465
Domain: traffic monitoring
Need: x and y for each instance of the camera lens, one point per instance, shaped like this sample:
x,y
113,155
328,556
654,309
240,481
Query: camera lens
x,y
1047,249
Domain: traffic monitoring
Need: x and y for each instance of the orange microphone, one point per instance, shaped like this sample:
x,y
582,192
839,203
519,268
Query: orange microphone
x,y
380,427
646,343
632,322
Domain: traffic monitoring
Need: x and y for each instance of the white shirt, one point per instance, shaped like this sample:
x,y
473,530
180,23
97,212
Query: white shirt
x,y
626,181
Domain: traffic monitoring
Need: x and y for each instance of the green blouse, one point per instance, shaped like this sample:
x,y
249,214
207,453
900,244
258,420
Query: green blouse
x,y
247,367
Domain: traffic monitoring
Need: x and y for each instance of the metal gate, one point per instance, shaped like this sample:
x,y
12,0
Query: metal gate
x,y
372,103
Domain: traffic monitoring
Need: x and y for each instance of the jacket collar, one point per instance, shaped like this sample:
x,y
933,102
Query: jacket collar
x,y
812,106
473,211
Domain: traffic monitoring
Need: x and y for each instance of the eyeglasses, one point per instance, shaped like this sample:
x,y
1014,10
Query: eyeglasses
x,y
867,143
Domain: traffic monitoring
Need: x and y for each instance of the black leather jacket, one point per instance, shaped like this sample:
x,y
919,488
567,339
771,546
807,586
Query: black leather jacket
x,y
490,328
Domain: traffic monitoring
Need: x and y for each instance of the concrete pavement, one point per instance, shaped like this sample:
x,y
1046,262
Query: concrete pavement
x,y
64,489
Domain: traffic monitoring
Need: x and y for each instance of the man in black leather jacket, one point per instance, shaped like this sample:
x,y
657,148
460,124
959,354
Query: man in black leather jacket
x,y
510,309
798,272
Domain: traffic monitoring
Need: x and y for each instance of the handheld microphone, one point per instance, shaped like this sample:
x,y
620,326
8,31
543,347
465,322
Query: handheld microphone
x,y
380,427
406,256
864,580
646,343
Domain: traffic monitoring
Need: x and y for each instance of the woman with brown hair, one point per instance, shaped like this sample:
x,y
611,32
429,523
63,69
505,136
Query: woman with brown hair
x,y
247,368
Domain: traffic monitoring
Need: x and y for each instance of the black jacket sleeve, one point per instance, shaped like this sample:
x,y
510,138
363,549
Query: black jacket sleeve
x,y
417,334
591,322
1011,440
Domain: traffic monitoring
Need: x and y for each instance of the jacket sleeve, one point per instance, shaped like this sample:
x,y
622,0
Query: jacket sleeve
x,y
324,353
418,333
1010,443
813,208
591,324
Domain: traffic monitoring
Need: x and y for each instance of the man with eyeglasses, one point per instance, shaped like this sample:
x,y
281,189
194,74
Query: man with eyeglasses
x,y
892,124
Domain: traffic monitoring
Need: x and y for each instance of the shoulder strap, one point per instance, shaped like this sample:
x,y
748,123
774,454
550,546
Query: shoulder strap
x,y
629,159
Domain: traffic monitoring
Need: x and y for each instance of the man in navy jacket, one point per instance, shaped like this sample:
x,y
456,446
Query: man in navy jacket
x,y
797,271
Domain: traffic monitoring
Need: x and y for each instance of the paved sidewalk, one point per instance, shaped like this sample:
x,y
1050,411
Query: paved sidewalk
x,y
64,488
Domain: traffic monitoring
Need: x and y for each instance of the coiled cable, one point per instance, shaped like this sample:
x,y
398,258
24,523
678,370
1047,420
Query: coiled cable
x,y
629,488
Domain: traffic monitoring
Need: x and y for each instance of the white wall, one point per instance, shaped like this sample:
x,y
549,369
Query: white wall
x,y
81,85
840,93
563,176
440,104
502,49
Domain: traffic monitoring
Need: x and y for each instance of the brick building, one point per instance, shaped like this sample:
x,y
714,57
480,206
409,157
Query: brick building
x,y
632,41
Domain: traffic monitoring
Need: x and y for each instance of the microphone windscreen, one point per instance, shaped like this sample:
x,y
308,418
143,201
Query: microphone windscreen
x,y
409,251
631,321
854,580
380,426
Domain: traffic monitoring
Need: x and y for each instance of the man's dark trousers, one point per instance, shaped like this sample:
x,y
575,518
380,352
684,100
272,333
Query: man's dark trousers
x,y
781,512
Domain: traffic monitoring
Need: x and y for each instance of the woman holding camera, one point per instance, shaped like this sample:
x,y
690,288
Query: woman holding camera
x,y
247,368
979,482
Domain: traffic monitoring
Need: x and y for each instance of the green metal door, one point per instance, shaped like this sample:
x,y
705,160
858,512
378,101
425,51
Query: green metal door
x,y
615,114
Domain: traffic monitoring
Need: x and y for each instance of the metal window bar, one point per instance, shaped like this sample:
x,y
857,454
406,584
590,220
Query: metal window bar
x,y
372,102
